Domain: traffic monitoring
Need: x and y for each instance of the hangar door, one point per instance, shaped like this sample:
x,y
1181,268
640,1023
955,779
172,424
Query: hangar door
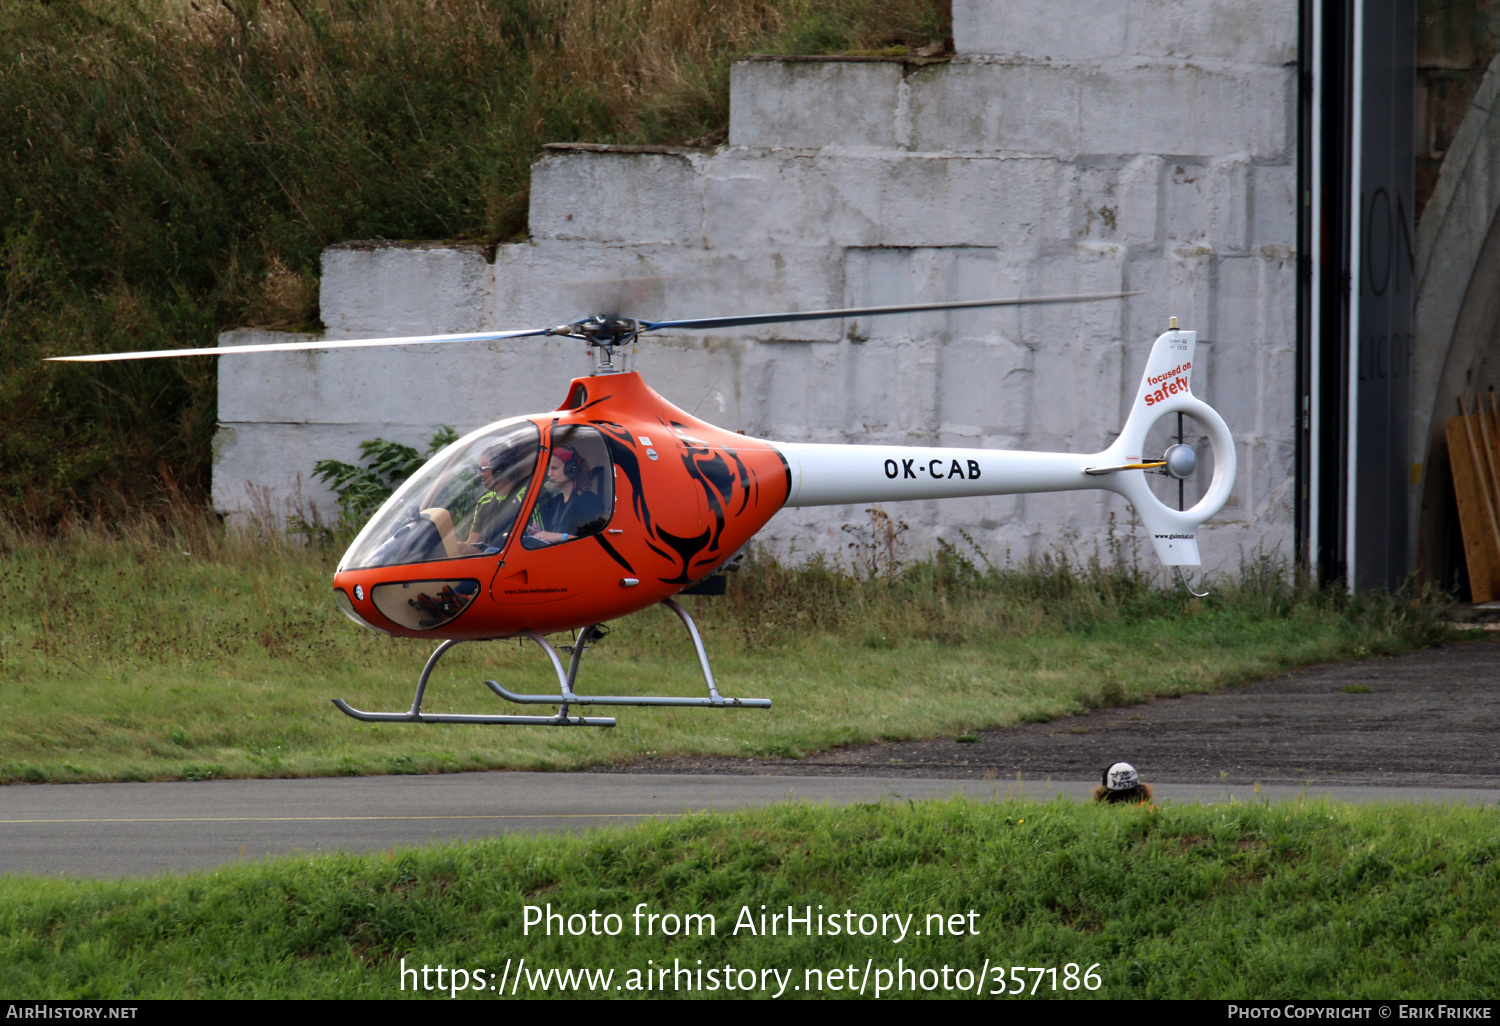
x,y
1355,291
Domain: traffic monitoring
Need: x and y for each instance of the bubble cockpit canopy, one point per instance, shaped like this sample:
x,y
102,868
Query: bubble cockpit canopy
x,y
462,502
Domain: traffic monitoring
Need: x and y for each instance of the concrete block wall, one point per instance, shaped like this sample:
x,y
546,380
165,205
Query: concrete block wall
x,y
1072,146
1250,32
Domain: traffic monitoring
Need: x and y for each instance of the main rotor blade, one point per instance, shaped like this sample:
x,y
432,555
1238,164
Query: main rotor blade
x,y
292,347
871,311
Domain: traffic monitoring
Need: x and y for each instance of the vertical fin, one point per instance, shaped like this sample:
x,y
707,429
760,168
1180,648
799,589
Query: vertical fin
x,y
1166,388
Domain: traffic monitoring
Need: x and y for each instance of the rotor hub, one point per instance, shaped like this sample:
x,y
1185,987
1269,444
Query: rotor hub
x,y
1181,461
603,333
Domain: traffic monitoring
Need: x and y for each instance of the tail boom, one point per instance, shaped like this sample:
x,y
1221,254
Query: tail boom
x,y
837,475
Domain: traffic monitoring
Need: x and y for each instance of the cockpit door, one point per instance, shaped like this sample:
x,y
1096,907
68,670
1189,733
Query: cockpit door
x,y
556,555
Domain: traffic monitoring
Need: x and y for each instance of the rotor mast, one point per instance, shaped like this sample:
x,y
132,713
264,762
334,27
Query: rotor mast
x,y
603,333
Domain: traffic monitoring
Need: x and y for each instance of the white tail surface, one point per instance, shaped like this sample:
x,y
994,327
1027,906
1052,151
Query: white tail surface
x,y
836,475
1166,388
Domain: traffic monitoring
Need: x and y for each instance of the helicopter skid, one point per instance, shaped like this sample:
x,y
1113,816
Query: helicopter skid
x,y
416,715
532,721
569,697
566,697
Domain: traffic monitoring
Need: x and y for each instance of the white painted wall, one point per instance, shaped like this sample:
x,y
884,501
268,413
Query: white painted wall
x,y
1071,146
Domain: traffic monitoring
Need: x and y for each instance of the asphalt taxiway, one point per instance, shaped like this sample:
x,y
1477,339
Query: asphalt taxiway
x,y
116,830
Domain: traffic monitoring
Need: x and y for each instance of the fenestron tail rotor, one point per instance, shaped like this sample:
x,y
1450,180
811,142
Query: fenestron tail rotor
x,y
605,331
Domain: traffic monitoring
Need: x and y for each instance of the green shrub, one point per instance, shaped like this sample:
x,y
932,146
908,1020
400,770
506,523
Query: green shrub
x,y
362,490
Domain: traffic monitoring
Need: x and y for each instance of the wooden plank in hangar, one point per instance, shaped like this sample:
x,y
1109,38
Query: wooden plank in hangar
x,y
1477,516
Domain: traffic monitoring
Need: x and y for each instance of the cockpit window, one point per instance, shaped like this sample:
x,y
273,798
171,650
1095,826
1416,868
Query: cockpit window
x,y
464,502
578,494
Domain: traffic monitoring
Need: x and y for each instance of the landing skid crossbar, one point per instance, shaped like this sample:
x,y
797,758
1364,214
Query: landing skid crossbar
x,y
567,696
416,715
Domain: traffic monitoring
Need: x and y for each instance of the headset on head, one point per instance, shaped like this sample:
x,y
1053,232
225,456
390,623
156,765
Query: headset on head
x,y
572,465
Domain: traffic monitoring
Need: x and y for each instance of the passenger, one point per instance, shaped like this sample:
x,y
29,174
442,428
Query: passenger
x,y
573,510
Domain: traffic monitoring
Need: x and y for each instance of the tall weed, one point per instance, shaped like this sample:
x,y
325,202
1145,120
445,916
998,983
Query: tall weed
x,y
169,170
957,594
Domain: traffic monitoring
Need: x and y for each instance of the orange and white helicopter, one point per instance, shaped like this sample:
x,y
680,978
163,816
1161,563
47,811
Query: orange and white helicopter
x,y
618,500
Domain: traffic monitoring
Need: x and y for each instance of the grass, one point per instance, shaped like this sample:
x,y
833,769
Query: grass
x,y
1238,901
179,651
162,649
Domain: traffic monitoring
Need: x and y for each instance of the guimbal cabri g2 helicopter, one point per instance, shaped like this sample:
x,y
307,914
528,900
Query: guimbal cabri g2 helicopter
x,y
617,500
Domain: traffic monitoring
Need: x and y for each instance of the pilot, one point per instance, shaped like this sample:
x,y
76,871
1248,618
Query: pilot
x,y
505,478
573,510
